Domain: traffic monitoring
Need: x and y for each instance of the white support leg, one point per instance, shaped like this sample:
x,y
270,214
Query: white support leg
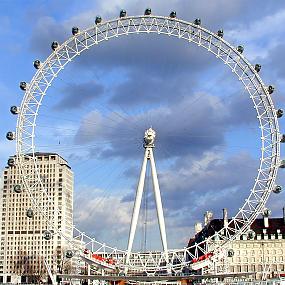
x,y
159,208
51,276
137,206
88,273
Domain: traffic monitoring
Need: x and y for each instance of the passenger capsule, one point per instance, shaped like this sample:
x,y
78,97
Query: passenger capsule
x,y
23,85
279,113
240,49
172,14
231,252
54,45
257,67
17,188
197,22
220,33
123,13
37,64
47,235
69,254
282,164
10,136
75,31
270,89
282,138
11,162
147,11
277,189
251,234
14,110
266,213
30,213
98,20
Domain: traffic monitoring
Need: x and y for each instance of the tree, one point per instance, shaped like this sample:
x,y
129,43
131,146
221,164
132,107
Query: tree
x,y
31,266
64,264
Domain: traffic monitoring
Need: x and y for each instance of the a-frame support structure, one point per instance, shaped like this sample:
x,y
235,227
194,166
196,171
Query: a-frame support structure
x,y
148,156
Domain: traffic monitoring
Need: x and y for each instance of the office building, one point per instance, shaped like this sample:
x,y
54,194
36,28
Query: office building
x,y
23,249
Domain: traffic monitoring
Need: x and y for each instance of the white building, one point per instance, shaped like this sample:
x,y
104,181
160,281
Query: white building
x,y
23,250
262,252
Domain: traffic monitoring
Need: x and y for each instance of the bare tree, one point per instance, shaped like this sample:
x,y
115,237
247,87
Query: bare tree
x,y
64,264
31,266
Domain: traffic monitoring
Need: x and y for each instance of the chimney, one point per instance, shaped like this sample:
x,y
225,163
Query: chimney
x,y
225,217
283,215
266,222
198,227
208,217
266,213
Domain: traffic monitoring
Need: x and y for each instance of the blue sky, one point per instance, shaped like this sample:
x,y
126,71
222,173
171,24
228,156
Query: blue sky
x,y
96,112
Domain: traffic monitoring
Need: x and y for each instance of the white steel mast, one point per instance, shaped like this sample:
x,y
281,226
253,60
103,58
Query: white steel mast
x,y
148,156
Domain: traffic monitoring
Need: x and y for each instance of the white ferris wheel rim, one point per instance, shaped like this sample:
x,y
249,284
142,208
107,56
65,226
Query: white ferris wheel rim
x,y
240,66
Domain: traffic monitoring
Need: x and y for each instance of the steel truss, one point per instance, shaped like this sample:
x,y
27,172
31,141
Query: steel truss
x,y
239,65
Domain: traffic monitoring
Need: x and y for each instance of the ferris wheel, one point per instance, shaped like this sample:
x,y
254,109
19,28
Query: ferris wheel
x,y
232,57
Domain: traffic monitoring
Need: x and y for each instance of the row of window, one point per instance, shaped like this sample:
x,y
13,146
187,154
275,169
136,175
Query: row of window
x,y
260,251
258,259
255,244
254,268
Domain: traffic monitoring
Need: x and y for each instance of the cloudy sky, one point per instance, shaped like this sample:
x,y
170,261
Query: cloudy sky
x,y
207,149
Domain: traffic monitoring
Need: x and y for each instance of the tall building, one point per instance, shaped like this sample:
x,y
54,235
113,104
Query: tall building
x,y
261,251
23,248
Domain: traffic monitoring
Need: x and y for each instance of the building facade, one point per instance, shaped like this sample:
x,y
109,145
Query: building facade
x,y
24,252
262,251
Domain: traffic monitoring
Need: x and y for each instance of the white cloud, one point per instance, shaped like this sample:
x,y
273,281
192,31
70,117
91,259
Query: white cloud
x,y
259,36
102,216
108,219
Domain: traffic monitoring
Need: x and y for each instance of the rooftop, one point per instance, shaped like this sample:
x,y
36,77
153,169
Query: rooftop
x,y
38,153
257,226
